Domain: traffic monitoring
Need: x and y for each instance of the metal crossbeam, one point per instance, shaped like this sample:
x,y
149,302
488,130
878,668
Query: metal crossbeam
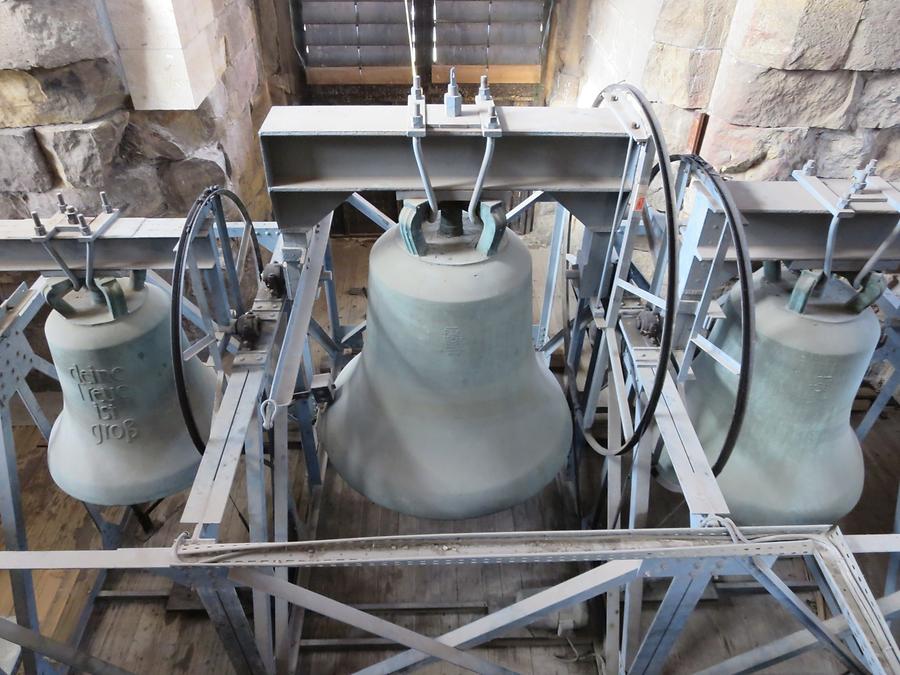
x,y
575,590
857,603
789,600
793,645
58,651
682,596
325,606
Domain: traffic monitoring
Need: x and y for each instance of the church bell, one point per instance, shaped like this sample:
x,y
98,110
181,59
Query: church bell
x,y
447,412
120,438
797,460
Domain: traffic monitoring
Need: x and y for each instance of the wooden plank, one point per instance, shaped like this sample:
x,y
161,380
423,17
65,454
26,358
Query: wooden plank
x,y
501,74
318,75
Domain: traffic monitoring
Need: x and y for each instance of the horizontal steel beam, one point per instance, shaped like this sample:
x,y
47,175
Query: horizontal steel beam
x,y
129,243
483,547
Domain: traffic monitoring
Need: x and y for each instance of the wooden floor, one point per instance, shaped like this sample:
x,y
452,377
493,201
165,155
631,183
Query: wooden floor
x,y
146,637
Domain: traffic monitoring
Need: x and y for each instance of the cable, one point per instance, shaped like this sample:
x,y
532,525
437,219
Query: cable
x,y
195,218
665,345
711,179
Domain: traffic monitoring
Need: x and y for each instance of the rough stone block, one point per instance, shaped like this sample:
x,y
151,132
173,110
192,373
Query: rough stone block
x,y
752,95
237,24
676,125
170,135
87,201
887,151
839,153
694,23
241,80
794,34
879,103
183,181
137,189
22,164
679,75
754,153
50,33
12,206
875,45
83,153
74,93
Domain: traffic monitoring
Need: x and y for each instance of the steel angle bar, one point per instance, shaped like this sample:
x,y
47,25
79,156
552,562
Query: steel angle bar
x,y
524,205
508,547
212,484
682,596
370,211
695,476
331,301
34,409
281,499
553,272
258,516
323,338
577,589
438,549
58,651
879,404
793,645
325,606
13,523
291,355
245,662
764,574
858,605
637,517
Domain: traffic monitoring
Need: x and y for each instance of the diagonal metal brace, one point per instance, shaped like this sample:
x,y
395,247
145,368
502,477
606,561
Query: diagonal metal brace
x,y
333,609
575,590
788,599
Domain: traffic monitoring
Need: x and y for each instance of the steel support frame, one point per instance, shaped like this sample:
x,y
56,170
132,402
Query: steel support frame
x,y
687,556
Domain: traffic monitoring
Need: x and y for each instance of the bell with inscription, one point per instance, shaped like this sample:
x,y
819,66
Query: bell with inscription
x,y
120,438
448,412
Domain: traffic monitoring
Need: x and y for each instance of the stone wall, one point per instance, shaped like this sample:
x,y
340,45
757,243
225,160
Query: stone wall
x,y
782,80
68,122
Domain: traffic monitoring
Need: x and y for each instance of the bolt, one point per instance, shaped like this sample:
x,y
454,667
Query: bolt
x,y
104,201
416,89
452,99
83,225
60,202
484,90
615,98
71,215
39,228
636,125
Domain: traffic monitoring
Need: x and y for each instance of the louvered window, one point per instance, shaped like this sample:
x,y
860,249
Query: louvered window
x,y
503,37
366,41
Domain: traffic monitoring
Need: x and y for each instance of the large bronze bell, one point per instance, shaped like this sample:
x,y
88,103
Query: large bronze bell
x,y
448,413
797,460
120,438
